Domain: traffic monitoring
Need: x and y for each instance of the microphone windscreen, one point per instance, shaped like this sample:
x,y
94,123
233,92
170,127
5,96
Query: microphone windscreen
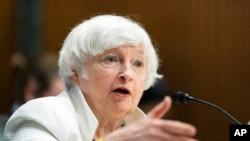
x,y
180,97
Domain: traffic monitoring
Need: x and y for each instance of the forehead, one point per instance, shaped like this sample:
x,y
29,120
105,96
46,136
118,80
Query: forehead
x,y
139,49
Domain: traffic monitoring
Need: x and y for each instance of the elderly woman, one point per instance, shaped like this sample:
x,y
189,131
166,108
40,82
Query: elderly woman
x,y
106,62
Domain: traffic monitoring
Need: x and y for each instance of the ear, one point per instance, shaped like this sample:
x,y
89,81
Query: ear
x,y
74,78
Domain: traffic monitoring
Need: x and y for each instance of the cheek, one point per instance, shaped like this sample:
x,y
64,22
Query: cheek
x,y
104,77
140,86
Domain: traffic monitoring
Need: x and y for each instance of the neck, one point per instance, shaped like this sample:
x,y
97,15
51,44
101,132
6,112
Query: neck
x,y
108,120
107,126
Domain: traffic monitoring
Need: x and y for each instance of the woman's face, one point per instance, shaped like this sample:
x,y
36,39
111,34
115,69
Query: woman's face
x,y
115,80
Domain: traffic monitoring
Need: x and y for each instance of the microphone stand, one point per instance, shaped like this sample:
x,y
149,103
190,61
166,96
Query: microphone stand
x,y
215,107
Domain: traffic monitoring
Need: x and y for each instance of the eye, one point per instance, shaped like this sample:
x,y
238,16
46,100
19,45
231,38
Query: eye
x,y
138,63
111,58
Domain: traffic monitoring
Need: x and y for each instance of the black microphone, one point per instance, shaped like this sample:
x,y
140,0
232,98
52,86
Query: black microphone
x,y
182,97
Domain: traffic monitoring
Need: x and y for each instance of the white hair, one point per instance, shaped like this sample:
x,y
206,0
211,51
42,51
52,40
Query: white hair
x,y
94,36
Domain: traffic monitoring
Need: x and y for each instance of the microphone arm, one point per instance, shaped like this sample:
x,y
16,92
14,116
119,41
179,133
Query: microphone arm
x,y
181,97
218,108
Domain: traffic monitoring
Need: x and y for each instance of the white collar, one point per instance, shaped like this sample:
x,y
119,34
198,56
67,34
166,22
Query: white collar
x,y
87,120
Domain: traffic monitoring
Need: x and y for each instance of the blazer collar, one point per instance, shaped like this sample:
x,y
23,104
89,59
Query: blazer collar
x,y
86,119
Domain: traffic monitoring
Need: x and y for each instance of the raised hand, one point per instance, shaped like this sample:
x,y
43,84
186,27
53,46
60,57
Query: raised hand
x,y
154,128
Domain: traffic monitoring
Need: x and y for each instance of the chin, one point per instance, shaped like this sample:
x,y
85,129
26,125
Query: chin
x,y
123,109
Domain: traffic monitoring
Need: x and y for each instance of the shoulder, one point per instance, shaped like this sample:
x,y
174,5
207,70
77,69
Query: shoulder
x,y
51,107
55,114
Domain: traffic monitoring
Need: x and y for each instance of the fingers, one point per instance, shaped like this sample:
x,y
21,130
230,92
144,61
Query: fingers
x,y
175,127
154,129
171,128
159,110
155,134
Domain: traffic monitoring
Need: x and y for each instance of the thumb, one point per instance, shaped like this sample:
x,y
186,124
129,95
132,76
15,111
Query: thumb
x,y
160,109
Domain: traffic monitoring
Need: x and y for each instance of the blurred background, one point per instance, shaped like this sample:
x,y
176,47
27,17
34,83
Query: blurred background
x,y
204,46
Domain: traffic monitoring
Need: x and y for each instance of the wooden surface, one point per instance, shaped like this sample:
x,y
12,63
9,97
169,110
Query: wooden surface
x,y
6,49
204,46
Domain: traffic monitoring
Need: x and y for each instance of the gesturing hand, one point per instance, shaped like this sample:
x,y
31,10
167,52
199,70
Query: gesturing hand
x,y
154,128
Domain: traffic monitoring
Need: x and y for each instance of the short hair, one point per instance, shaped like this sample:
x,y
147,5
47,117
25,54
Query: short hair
x,y
99,33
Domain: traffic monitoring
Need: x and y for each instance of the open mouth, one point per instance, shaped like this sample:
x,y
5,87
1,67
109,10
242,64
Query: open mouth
x,y
121,91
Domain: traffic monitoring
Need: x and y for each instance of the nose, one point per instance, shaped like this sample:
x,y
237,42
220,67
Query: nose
x,y
125,75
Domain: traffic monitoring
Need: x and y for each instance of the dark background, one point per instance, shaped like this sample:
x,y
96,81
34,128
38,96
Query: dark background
x,y
204,46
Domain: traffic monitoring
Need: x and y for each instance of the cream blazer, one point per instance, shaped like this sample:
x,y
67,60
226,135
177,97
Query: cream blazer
x,y
66,117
